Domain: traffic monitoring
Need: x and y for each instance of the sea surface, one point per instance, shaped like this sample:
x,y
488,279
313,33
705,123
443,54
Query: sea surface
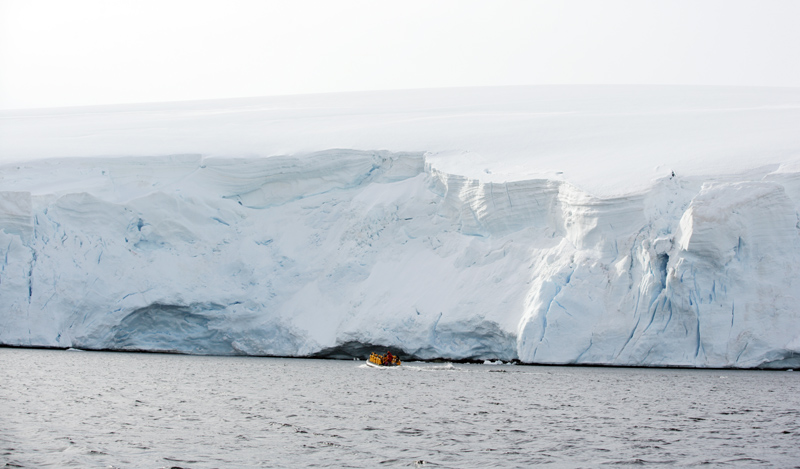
x,y
73,409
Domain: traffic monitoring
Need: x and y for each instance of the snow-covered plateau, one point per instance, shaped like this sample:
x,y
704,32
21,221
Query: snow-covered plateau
x,y
647,226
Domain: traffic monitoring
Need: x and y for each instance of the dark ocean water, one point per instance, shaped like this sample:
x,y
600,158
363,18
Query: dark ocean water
x,y
94,409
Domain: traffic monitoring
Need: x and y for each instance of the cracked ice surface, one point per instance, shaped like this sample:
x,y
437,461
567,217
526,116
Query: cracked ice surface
x,y
450,253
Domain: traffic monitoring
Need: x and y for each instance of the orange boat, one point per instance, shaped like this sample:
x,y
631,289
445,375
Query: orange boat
x,y
379,361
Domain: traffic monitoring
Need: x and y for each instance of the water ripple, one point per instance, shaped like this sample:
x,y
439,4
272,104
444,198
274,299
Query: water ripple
x,y
65,409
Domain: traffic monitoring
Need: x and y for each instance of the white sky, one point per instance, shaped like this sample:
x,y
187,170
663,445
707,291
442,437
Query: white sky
x,y
84,52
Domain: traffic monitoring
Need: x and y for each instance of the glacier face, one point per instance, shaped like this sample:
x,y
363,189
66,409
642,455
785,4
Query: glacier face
x,y
295,255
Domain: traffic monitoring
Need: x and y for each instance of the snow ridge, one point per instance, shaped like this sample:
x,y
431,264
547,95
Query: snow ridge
x,y
298,254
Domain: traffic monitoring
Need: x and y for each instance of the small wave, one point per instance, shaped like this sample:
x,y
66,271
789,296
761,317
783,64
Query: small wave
x,y
445,367
190,461
637,462
745,460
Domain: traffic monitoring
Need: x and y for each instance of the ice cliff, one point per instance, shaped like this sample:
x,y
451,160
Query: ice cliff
x,y
324,252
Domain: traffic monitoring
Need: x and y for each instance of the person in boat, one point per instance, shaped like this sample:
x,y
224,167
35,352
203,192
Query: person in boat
x,y
388,358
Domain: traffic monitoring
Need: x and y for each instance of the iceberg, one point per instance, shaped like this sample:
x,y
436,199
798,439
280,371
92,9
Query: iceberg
x,y
636,226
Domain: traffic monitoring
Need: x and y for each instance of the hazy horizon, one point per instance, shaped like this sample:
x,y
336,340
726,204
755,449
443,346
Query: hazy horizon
x,y
90,52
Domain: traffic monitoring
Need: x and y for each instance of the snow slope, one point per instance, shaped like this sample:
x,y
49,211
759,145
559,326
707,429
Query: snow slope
x,y
539,223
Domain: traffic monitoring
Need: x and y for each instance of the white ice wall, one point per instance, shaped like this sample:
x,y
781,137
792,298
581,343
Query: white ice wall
x,y
294,255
